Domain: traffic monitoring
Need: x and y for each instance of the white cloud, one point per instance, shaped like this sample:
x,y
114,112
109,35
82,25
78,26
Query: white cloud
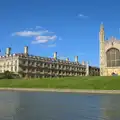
x,y
82,16
30,33
44,39
39,41
48,46
39,36
26,33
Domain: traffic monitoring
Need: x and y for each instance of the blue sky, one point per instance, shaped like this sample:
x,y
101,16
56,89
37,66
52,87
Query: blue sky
x,y
70,27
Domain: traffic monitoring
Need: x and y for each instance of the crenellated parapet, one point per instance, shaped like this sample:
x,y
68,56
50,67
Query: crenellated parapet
x,y
112,43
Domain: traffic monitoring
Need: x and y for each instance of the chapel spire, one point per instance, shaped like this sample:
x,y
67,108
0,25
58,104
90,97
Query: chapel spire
x,y
102,27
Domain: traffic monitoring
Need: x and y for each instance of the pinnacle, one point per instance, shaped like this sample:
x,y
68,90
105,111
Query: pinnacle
x,y
101,26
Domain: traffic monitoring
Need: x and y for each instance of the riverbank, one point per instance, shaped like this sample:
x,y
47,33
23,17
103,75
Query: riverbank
x,y
71,83
62,90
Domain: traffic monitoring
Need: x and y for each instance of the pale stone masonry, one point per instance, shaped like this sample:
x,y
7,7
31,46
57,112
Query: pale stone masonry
x,y
41,67
109,54
102,50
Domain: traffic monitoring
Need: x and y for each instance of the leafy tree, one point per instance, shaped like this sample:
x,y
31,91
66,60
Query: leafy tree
x,y
8,74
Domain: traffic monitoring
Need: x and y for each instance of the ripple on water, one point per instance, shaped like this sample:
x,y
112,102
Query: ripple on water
x,y
58,106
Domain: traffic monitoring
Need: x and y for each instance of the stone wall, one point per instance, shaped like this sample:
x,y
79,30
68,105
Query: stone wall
x,y
109,71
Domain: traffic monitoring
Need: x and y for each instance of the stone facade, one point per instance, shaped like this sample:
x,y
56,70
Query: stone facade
x,y
109,63
40,67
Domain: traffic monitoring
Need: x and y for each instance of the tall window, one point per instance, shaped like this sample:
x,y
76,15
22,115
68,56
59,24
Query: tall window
x,y
113,57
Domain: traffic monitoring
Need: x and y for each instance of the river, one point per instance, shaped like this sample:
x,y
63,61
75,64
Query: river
x,y
17,105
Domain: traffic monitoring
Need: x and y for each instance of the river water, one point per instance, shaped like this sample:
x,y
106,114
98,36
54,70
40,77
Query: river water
x,y
16,105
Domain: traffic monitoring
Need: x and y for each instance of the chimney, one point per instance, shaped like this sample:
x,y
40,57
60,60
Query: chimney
x,y
83,63
26,50
87,68
8,50
76,58
67,59
55,55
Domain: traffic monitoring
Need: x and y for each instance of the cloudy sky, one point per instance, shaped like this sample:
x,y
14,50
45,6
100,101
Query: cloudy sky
x,y
69,27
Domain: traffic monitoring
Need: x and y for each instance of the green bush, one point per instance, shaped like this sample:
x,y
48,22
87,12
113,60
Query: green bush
x,y
7,75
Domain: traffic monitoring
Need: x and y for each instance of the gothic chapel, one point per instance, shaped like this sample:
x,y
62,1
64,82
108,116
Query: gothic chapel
x,y
109,54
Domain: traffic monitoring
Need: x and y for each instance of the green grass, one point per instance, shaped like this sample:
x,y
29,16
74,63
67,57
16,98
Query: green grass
x,y
100,83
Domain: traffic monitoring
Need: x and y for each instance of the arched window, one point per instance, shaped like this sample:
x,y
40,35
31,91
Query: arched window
x,y
113,57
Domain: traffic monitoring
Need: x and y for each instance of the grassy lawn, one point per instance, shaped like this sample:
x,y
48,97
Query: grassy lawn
x,y
100,83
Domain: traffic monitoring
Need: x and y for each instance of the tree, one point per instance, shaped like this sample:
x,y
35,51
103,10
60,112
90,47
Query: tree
x,y
8,74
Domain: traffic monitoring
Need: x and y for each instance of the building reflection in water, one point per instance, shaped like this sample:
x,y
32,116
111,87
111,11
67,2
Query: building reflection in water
x,y
16,105
110,107
57,106
9,102
65,106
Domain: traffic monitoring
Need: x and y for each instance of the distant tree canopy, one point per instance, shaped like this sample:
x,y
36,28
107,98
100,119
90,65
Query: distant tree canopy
x,y
8,74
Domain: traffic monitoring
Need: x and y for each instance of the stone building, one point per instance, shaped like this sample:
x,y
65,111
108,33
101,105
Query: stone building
x,y
41,67
109,54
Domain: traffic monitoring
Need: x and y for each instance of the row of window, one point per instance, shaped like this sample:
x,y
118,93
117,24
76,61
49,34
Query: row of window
x,y
59,66
9,63
113,63
113,57
42,64
12,69
47,71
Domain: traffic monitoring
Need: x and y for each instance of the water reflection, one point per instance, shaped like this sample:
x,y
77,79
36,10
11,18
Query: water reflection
x,y
111,107
9,102
58,106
